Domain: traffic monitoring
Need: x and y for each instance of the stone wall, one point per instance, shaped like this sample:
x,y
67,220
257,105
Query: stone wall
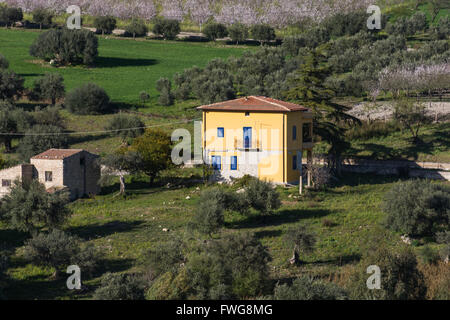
x,y
55,166
21,172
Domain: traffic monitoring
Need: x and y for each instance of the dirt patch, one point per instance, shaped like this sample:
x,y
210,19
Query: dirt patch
x,y
439,111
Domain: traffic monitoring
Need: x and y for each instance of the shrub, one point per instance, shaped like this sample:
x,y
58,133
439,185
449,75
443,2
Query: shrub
x,y
42,17
417,207
40,138
144,97
120,287
238,32
50,86
400,277
441,31
428,255
444,238
234,266
49,116
126,126
105,24
165,257
29,207
88,99
302,241
4,261
215,31
164,87
11,85
291,45
10,15
169,286
208,217
167,28
66,46
306,288
59,250
263,33
4,64
437,280
262,196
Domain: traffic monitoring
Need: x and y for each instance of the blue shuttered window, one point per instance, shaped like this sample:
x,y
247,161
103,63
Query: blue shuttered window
x,y
233,165
216,162
220,132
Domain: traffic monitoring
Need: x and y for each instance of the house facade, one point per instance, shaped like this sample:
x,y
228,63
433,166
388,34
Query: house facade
x,y
258,136
73,169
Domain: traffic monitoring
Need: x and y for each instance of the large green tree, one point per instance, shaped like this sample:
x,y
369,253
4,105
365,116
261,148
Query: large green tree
x,y
330,118
154,148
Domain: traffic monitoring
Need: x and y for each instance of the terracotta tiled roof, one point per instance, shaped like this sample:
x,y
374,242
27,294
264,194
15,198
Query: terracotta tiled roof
x,y
57,154
254,103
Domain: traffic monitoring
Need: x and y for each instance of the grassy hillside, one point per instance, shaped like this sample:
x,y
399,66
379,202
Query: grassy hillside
x,y
123,229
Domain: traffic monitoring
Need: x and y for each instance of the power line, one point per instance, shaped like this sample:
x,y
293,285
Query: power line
x,y
94,132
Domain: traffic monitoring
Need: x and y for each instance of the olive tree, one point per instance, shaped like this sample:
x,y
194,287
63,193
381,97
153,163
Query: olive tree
x,y
88,99
58,250
302,240
42,17
126,126
417,207
50,86
29,207
105,24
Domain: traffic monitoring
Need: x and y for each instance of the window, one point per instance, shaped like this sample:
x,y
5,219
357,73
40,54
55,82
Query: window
x,y
294,133
294,163
48,176
307,137
220,132
216,162
6,183
247,137
233,165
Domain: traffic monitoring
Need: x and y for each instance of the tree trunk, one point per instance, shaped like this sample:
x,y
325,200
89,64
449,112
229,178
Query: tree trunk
x,y
122,185
8,146
294,260
152,179
56,275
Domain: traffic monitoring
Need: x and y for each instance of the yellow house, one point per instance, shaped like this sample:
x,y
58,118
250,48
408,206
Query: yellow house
x,y
259,136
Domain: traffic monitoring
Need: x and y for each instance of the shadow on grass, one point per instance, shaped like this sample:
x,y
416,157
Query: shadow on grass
x,y
43,287
356,179
142,187
102,230
338,261
281,217
10,239
268,234
113,62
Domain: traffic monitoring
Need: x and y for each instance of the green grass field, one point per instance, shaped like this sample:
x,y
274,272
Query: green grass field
x,y
123,229
124,68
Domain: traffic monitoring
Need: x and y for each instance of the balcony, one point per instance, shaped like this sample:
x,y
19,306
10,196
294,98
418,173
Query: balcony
x,y
241,145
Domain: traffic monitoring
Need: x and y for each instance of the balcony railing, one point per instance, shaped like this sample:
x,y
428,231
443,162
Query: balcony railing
x,y
246,145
